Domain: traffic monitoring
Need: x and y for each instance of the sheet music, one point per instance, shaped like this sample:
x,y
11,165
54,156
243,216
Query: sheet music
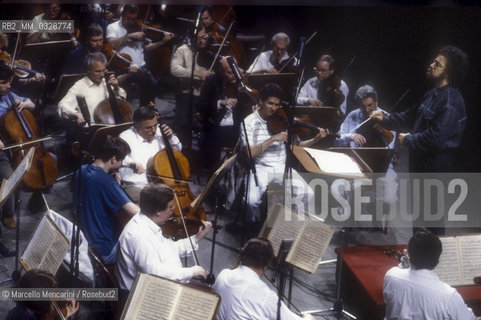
x,y
470,247
196,305
334,162
9,187
308,250
449,266
283,229
154,298
46,248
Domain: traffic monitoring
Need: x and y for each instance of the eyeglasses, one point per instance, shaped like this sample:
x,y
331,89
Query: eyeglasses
x,y
317,70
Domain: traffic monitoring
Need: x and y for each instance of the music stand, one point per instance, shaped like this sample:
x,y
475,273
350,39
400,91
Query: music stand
x,y
102,131
213,184
48,50
65,82
6,190
285,80
377,158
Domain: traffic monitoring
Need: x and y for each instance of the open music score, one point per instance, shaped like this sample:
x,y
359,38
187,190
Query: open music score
x,y
311,236
154,297
9,185
46,247
330,163
460,260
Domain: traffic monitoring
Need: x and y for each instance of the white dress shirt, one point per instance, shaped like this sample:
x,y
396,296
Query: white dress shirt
x,y
419,294
310,88
143,248
135,49
245,296
93,93
264,63
141,151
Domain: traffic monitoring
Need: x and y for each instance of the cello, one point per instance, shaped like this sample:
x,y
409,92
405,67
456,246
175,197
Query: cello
x,y
114,107
19,127
173,169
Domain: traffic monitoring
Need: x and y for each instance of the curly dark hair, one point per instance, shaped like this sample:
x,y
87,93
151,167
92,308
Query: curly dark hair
x,y
256,253
457,65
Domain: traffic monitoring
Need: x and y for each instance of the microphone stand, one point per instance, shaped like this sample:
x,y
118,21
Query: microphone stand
x,y
281,272
193,45
252,167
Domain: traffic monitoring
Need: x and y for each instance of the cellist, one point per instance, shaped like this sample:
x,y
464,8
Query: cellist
x,y
93,87
6,77
144,140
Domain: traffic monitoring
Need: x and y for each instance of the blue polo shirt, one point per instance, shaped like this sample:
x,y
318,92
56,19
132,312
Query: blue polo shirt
x,y
5,103
101,198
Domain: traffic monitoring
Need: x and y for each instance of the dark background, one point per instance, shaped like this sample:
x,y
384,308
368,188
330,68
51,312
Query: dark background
x,y
392,46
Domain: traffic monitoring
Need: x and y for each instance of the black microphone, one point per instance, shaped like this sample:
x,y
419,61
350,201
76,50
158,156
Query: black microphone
x,y
235,70
84,108
301,48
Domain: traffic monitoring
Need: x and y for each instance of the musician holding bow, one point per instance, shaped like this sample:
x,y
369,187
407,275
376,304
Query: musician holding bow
x,y
269,151
93,87
273,60
326,88
127,37
181,68
145,140
142,246
6,77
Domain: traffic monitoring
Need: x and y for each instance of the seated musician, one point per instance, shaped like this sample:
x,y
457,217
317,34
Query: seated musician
x,y
33,310
93,87
51,11
326,88
127,38
273,60
104,205
143,247
93,37
6,77
212,28
5,56
269,151
145,140
367,97
417,292
243,293
181,68
220,115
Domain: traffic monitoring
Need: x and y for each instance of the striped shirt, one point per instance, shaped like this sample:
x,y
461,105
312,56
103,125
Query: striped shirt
x,y
257,132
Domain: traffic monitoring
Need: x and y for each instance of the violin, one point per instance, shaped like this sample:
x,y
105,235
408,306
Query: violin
x,y
121,61
287,65
279,122
22,68
329,91
376,135
19,127
173,169
119,109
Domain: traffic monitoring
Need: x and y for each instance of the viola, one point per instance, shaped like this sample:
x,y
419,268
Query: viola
x,y
173,169
279,122
286,65
117,60
329,91
20,127
22,68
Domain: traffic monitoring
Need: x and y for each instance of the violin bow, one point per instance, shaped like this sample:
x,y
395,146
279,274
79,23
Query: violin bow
x,y
194,255
400,99
221,46
255,61
12,63
295,54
